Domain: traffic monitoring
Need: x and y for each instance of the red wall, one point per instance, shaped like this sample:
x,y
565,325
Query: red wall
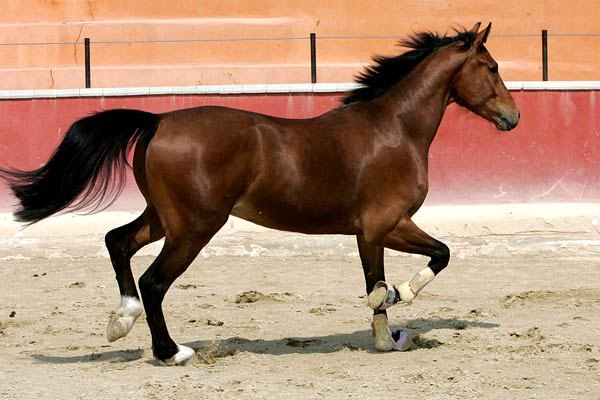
x,y
554,154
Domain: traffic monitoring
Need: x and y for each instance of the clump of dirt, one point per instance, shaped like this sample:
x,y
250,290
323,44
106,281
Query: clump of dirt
x,y
238,340
186,286
209,353
252,296
532,334
422,342
301,343
209,322
573,298
322,310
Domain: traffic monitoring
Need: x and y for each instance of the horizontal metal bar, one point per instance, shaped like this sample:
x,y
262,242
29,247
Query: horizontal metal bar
x,y
39,43
159,41
507,35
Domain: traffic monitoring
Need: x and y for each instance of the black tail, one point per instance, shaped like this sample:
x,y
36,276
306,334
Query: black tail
x,y
86,170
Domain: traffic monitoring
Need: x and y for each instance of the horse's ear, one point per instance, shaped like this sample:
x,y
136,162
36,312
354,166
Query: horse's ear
x,y
482,36
475,28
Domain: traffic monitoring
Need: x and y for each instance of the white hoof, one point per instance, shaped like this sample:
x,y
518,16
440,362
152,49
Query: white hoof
x,y
121,322
381,333
383,296
385,340
184,356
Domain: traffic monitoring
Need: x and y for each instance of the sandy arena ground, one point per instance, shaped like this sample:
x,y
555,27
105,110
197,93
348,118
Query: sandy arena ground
x,y
515,316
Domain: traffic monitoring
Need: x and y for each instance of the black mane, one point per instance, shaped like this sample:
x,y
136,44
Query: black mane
x,y
387,71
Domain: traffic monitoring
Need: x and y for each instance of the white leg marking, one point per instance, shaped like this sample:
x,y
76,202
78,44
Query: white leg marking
x,y
406,293
409,290
184,356
383,294
121,322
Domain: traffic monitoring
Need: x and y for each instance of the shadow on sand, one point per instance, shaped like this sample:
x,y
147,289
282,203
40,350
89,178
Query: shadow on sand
x,y
359,340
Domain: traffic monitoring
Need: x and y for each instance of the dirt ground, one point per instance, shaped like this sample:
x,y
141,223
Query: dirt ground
x,y
278,316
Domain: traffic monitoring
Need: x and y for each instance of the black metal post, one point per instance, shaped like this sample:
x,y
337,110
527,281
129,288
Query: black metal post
x,y
88,73
313,58
544,54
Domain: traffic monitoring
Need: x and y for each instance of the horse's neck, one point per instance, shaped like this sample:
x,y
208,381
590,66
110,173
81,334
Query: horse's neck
x,y
420,99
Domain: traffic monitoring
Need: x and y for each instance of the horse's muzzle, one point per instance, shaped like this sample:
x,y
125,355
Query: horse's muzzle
x,y
508,122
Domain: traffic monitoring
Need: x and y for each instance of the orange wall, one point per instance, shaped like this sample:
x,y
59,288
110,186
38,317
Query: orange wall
x,y
272,61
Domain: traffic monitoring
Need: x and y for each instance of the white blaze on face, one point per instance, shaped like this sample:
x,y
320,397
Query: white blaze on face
x,y
409,290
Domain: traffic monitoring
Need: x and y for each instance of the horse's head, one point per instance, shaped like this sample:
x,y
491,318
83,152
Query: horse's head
x,y
479,87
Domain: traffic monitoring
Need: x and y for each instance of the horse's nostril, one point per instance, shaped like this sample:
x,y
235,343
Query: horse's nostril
x,y
507,123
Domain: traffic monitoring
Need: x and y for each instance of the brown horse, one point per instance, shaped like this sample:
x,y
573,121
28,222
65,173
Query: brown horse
x,y
360,169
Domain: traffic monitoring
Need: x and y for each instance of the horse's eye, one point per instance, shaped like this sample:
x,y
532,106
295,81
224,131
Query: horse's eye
x,y
494,69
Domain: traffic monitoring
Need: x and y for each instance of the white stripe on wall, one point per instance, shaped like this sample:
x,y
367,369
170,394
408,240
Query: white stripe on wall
x,y
258,89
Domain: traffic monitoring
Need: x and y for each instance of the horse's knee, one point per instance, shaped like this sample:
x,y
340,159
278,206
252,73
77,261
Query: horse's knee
x,y
150,287
440,257
444,252
439,260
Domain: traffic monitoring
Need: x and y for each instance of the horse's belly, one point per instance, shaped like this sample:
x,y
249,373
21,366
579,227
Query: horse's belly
x,y
288,217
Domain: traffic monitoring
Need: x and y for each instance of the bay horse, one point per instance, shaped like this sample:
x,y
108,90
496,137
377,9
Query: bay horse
x,y
359,169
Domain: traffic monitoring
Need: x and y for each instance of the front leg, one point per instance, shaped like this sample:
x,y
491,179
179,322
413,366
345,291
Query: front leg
x,y
371,258
407,237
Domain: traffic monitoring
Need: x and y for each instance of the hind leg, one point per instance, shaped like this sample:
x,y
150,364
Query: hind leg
x,y
122,243
182,245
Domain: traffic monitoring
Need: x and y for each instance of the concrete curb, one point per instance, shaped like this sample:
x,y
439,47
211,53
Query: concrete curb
x,y
488,230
